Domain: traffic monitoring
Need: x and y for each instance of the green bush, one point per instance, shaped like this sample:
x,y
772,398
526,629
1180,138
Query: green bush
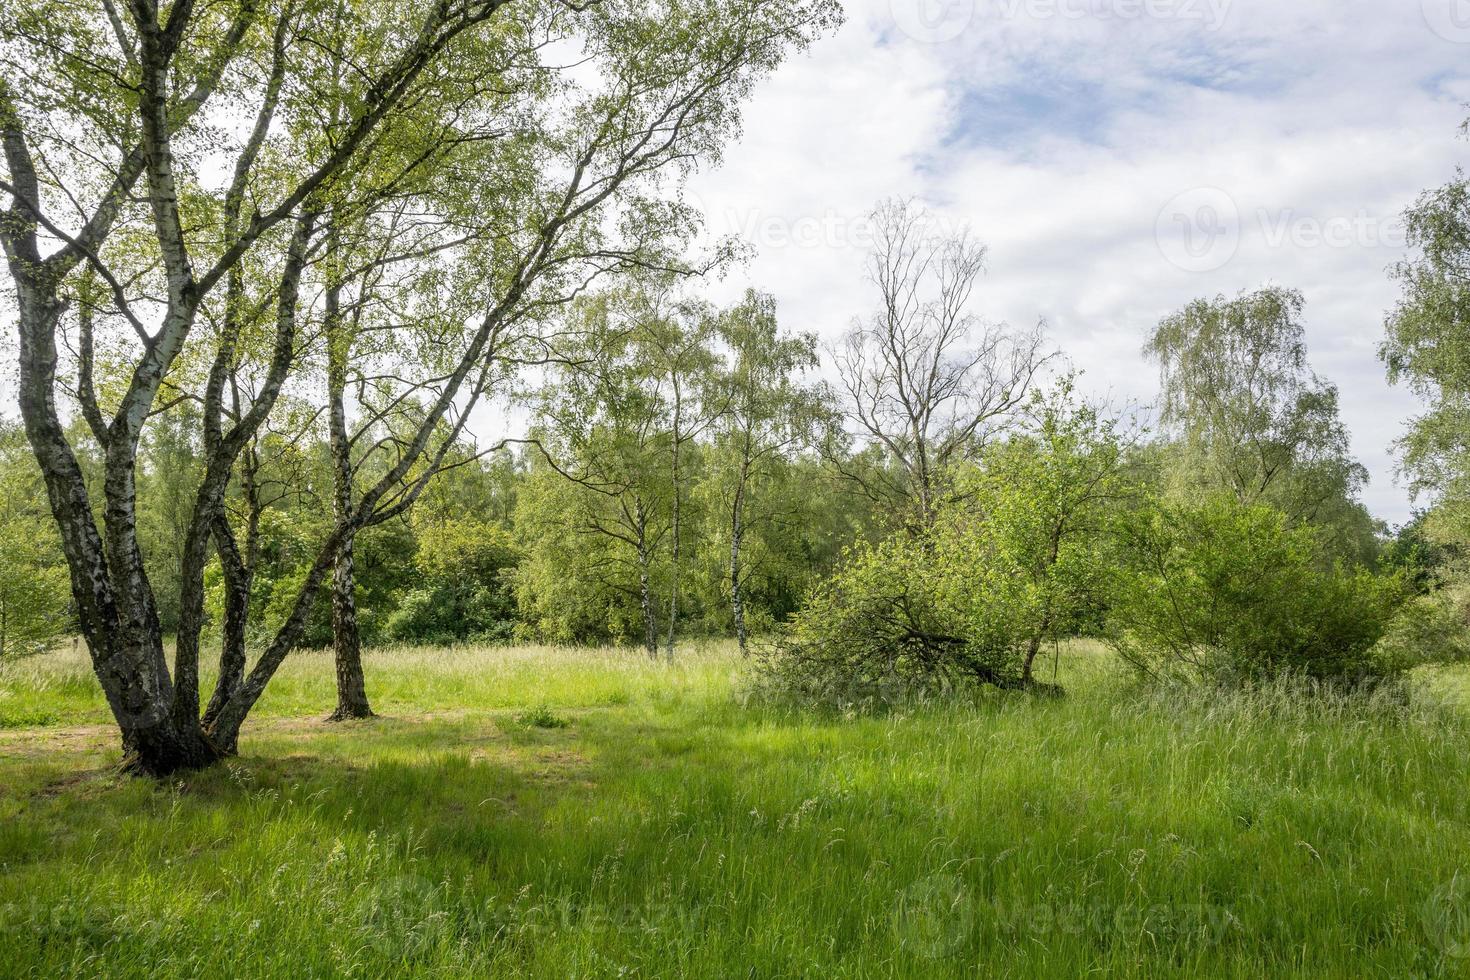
x,y
463,592
1430,629
1228,592
1016,558
881,630
541,716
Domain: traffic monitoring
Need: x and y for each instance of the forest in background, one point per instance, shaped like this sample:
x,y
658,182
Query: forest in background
x,y
693,472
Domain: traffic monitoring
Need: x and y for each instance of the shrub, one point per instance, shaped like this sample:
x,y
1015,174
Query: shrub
x,y
1430,629
541,716
1224,591
881,630
463,592
1013,560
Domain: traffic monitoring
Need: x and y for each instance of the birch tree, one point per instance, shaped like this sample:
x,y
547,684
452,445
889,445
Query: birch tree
x,y
679,342
1427,348
604,425
1250,415
768,415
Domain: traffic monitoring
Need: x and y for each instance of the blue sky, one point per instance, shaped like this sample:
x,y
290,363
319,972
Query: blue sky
x,y
1084,139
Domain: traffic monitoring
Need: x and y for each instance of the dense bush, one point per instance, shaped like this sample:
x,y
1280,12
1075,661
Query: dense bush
x,y
463,592
1015,559
1430,629
384,566
883,629
1229,592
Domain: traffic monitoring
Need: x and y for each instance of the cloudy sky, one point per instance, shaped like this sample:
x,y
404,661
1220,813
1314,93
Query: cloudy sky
x,y
1120,157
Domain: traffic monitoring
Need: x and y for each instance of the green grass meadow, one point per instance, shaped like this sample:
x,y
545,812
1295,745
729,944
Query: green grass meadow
x,y
568,813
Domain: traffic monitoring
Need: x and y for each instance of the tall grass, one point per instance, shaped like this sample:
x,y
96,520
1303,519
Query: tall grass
x,y
669,829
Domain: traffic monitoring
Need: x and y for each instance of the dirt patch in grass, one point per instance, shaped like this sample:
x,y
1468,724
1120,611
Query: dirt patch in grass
x,y
31,744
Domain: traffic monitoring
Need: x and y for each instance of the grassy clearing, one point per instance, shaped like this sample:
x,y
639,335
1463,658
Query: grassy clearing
x,y
557,813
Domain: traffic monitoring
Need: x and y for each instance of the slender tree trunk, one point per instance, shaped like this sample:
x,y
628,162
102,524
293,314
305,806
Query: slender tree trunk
x,y
737,537
675,517
674,587
238,578
1033,648
650,627
645,588
352,699
926,488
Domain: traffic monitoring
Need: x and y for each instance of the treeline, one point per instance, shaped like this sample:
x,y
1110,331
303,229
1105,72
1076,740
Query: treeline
x,y
500,548
691,471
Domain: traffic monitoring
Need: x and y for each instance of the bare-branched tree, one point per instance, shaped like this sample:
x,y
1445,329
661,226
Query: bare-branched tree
x,y
927,382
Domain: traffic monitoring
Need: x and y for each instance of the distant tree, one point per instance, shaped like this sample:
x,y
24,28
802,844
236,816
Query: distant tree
x,y
463,590
924,378
603,422
569,588
798,517
484,488
768,416
1041,508
1428,348
1010,562
1215,589
1418,551
1247,412
679,343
